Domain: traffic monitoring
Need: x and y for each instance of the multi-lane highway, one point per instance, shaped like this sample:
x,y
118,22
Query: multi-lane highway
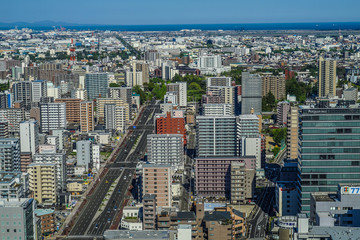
x,y
93,222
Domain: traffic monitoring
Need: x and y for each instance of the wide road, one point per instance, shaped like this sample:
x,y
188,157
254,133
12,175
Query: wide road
x,y
123,167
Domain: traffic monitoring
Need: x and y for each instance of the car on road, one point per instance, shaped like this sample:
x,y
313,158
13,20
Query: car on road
x,y
96,226
109,220
115,207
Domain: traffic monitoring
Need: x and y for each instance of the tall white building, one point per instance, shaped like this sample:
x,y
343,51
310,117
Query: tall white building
x,y
212,61
180,89
115,117
95,157
52,116
29,137
217,109
38,90
165,149
84,154
53,91
134,78
10,154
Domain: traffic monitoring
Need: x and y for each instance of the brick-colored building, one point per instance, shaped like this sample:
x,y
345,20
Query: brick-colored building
x,y
157,181
72,109
25,159
274,84
87,116
47,221
166,124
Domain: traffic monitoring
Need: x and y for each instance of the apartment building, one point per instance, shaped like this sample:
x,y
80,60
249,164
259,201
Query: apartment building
x,y
42,182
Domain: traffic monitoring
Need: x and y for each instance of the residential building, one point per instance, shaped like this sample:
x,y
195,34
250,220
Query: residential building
x,y
165,149
212,109
287,198
351,94
96,85
52,116
59,159
180,89
38,90
149,212
213,175
157,181
274,84
47,218
327,77
72,106
13,185
42,182
29,137
168,124
242,181
115,117
87,122
10,154
100,107
123,93
283,109
4,129
218,81
329,140
251,97
22,92
14,116
292,135
19,216
84,154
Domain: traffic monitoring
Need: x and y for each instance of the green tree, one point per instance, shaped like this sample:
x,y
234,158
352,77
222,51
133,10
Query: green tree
x,y
268,102
276,150
278,135
114,85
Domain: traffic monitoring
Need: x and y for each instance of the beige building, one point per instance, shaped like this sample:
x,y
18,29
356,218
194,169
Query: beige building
x,y
100,104
87,116
292,133
157,181
72,109
242,182
74,187
274,84
42,182
327,77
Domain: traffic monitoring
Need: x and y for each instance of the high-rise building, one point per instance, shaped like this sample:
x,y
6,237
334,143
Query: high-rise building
x,y
13,116
218,81
72,109
9,154
329,147
87,122
242,182
29,137
149,212
216,136
180,88
115,117
220,109
210,61
167,124
157,181
43,182
283,109
327,77
4,129
123,93
100,107
19,218
52,116
251,97
274,84
292,135
165,149
84,154
13,185
38,90
22,92
96,85
59,159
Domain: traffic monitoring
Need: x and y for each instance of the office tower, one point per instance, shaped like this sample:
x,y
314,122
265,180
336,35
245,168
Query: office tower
x,y
115,117
38,90
59,159
165,149
123,93
43,182
87,122
9,154
72,106
218,81
327,77
96,85
180,90
210,61
287,198
329,143
29,137
22,92
52,116
157,181
216,136
149,212
18,219
84,154
4,129
13,185
251,97
100,107
283,109
220,109
274,84
213,175
242,182
167,124
13,116
292,135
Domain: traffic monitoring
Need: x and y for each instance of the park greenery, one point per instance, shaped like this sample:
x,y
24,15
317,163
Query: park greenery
x,y
278,135
268,102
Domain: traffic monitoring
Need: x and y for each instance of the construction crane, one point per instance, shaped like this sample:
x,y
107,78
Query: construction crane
x,y
72,52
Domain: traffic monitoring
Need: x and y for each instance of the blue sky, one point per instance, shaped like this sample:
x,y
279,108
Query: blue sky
x,y
132,12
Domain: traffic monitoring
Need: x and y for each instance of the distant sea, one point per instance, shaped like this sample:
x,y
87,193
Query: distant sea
x,y
235,27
